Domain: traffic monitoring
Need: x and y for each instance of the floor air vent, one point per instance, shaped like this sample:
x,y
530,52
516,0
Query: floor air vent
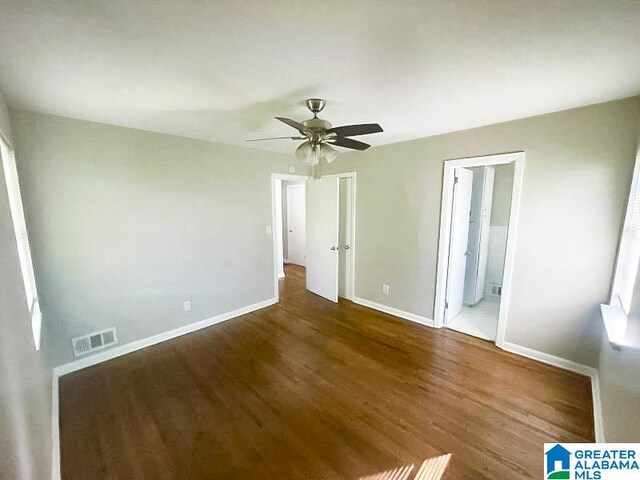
x,y
94,341
496,290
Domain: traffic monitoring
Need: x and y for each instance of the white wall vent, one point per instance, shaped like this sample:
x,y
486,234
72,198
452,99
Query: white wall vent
x,y
94,341
495,290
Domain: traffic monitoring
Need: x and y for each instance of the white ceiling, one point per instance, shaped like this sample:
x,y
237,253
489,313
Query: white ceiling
x,y
221,70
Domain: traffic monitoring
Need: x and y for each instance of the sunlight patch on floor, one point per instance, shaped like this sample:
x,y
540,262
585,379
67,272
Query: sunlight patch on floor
x,y
431,469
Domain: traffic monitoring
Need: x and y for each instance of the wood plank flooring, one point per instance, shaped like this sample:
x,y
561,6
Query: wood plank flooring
x,y
314,390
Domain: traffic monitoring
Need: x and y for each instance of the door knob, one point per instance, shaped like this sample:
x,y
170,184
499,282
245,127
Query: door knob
x,y
334,248
346,247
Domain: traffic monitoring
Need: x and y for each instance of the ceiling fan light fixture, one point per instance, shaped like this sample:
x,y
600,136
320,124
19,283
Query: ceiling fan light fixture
x,y
303,152
320,135
314,156
328,153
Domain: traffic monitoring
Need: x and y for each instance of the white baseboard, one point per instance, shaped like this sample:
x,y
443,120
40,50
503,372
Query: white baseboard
x,y
563,363
103,356
280,274
549,359
55,429
118,352
598,422
575,367
115,352
394,311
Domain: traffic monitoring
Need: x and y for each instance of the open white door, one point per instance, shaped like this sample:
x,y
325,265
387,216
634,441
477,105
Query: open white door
x,y
322,237
458,242
479,226
485,230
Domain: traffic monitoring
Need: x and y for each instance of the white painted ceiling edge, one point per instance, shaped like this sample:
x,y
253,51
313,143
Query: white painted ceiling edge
x,y
221,70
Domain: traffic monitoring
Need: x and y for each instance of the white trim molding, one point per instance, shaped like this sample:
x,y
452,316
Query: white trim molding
x,y
518,159
276,223
275,177
394,311
353,194
571,366
549,359
522,351
55,428
115,352
598,421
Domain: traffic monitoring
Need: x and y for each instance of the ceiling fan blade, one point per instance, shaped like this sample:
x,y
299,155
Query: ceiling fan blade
x,y
353,130
292,123
276,138
349,143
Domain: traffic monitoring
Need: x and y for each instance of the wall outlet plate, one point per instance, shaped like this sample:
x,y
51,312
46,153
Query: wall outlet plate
x,y
385,289
186,305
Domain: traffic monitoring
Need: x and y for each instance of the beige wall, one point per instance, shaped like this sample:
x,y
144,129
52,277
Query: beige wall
x,y
620,392
619,376
25,375
5,127
127,224
502,190
578,169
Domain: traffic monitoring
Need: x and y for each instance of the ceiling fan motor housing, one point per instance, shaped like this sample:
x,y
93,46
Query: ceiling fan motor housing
x,y
319,133
315,105
315,127
316,124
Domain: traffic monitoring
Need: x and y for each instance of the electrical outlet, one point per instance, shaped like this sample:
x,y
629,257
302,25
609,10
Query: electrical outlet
x,y
186,305
385,289
267,228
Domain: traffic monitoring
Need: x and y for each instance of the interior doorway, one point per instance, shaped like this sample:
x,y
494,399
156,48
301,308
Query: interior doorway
x,y
477,236
314,224
294,222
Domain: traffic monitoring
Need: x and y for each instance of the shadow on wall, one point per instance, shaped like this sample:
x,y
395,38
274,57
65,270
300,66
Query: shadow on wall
x,y
620,392
127,225
25,374
251,120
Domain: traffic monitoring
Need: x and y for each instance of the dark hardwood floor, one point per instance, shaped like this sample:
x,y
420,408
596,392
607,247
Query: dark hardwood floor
x,y
310,389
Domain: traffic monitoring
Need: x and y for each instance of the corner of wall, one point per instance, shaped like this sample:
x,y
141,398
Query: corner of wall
x,y
5,126
571,366
598,420
55,428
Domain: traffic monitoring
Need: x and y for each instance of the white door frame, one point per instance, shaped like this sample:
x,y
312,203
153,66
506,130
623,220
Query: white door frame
x,y
351,274
278,227
274,222
518,159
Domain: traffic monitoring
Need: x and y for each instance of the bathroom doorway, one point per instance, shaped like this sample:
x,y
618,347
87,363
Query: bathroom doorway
x,y
479,218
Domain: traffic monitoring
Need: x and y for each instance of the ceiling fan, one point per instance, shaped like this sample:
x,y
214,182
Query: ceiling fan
x,y
319,135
